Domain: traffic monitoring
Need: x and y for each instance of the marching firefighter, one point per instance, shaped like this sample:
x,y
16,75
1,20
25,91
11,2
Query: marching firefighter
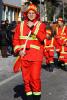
x,y
28,43
61,41
49,50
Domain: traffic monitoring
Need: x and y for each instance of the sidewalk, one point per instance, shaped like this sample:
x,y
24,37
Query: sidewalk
x,y
6,67
6,64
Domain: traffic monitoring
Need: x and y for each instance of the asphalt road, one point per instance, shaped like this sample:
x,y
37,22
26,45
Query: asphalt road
x,y
54,85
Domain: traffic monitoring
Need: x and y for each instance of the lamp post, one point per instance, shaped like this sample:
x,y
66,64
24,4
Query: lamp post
x,y
63,8
40,9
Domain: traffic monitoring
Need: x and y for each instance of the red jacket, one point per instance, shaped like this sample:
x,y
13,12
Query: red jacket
x,y
34,47
63,54
49,47
61,37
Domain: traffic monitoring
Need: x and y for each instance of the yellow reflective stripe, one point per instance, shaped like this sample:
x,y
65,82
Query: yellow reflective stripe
x,y
63,29
16,47
61,56
37,28
51,45
51,62
25,37
35,32
31,46
62,37
29,93
48,46
22,46
21,28
51,50
57,30
35,47
36,93
65,39
63,52
52,41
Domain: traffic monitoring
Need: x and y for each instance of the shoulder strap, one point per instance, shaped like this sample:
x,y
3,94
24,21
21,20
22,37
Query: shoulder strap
x,y
52,41
37,28
21,28
63,29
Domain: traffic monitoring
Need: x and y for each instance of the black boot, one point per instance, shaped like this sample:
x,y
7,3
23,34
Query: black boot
x,y
56,62
36,97
51,67
65,67
29,97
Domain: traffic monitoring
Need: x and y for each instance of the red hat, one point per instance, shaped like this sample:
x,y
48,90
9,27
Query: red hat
x,y
32,7
60,19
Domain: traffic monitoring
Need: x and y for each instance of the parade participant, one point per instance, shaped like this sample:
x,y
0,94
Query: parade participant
x,y
28,43
49,50
63,55
60,38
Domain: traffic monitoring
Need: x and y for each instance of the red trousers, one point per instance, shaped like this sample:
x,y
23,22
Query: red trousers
x,y
31,71
49,56
63,57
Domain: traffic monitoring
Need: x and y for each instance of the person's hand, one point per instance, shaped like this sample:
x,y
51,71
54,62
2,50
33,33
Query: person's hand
x,y
30,24
22,53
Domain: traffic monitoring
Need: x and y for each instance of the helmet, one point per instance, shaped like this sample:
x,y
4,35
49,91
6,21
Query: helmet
x,y
32,7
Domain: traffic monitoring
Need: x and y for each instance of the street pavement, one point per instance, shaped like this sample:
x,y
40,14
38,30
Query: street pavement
x,y
54,84
6,67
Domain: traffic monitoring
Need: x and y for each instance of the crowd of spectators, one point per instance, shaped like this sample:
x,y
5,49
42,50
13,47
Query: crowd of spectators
x,y
6,35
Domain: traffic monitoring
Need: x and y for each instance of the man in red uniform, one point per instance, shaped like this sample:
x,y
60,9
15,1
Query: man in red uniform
x,y
61,38
49,50
28,42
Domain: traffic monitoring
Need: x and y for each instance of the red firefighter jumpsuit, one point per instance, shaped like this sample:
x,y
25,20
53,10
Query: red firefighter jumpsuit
x,y
49,49
61,47
31,62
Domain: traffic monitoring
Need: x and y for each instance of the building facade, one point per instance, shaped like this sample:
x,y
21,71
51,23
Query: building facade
x,y
10,9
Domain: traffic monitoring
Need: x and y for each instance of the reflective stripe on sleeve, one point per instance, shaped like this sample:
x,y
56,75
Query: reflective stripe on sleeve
x,y
16,47
37,28
61,57
51,62
25,37
21,28
35,47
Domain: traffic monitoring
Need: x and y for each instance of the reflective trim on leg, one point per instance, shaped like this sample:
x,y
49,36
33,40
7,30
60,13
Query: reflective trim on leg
x,y
62,64
29,93
36,93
